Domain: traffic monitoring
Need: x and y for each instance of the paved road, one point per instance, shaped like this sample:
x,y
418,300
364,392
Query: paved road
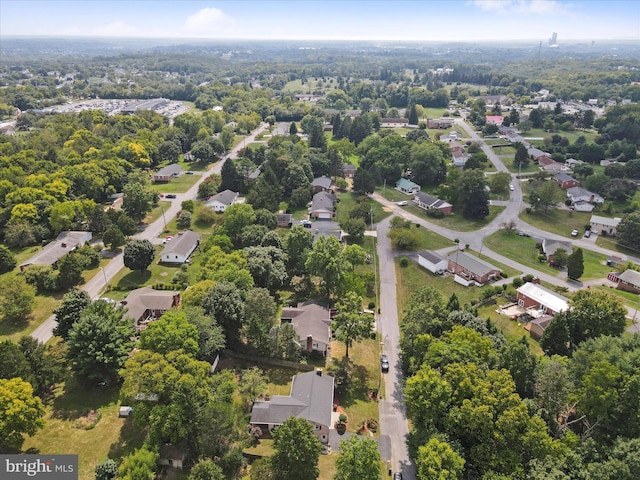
x,y
94,286
393,416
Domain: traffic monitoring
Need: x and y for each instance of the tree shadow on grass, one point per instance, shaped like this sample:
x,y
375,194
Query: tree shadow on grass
x,y
76,402
353,380
132,436
9,327
133,280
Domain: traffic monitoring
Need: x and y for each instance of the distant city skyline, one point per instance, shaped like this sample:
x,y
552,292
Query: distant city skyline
x,y
437,20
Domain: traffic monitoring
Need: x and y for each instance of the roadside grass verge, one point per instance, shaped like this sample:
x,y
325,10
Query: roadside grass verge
x,y
456,221
557,221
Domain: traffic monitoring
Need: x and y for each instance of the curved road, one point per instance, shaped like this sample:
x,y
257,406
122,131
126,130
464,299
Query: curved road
x,y
94,286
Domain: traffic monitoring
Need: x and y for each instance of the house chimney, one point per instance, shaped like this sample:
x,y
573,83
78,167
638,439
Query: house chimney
x,y
309,343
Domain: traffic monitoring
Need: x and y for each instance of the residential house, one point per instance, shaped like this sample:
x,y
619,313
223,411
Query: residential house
x,y
64,243
146,304
221,201
311,398
470,269
536,153
394,122
429,202
323,206
550,165
312,322
180,247
321,184
629,280
566,181
572,162
440,123
550,247
604,225
348,170
452,136
458,155
171,456
432,261
167,173
494,119
532,296
407,186
582,200
284,220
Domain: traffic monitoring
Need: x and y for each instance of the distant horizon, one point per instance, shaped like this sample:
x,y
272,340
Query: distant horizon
x,y
328,20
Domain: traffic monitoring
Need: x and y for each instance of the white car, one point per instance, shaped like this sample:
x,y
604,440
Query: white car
x,y
511,187
403,203
574,232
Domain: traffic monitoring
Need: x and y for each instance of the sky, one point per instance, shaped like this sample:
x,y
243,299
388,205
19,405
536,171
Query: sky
x,y
417,20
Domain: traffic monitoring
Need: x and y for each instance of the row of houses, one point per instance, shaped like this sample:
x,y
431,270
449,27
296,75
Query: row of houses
x,y
421,199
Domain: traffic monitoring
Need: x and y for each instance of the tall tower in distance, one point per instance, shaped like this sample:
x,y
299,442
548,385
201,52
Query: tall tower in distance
x,y
553,41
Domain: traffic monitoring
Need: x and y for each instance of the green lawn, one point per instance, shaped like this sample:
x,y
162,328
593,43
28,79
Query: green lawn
x,y
364,375
43,308
157,212
63,432
530,168
510,272
558,221
511,329
429,240
177,185
391,194
590,135
347,202
457,221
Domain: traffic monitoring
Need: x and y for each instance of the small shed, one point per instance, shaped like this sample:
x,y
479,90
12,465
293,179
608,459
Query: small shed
x,y
125,411
432,261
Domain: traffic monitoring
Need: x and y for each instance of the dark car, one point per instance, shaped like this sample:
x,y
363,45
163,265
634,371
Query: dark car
x,y
384,364
397,476
170,195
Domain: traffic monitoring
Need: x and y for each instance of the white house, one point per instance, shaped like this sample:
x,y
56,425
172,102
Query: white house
x,y
407,186
604,225
582,200
431,261
179,248
221,201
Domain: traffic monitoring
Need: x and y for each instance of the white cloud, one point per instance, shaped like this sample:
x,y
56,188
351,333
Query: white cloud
x,y
209,22
114,29
524,7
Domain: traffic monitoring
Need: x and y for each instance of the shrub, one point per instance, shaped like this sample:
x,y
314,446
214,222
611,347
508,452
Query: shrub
x,y
528,277
435,213
342,418
404,262
518,282
371,305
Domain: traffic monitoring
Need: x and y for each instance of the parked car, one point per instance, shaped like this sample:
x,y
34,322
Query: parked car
x,y
306,223
587,234
403,203
384,364
574,232
188,172
170,195
511,187
397,476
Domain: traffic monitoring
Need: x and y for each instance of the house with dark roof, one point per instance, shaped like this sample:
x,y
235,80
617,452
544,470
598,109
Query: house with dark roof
x,y
566,181
221,201
538,325
167,173
311,398
440,123
458,155
407,187
323,206
64,243
432,261
629,280
312,322
604,225
550,247
470,269
348,170
582,200
145,305
180,247
429,202
321,184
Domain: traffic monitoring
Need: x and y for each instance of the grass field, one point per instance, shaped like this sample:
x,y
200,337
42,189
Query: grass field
x,y
456,221
348,202
43,308
590,135
64,433
177,185
557,221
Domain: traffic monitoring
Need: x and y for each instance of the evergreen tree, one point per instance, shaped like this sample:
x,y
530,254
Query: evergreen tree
x,y
575,264
413,115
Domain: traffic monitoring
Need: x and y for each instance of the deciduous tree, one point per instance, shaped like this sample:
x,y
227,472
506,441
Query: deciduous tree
x,y
139,254
17,299
351,324
170,333
69,311
438,461
297,450
20,413
359,459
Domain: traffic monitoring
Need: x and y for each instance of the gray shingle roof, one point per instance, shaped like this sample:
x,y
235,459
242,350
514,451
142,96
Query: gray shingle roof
x,y
630,276
142,299
226,198
431,256
182,244
173,169
311,398
471,263
323,182
64,243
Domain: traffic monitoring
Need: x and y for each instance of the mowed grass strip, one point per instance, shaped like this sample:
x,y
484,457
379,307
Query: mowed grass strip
x,y
63,432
